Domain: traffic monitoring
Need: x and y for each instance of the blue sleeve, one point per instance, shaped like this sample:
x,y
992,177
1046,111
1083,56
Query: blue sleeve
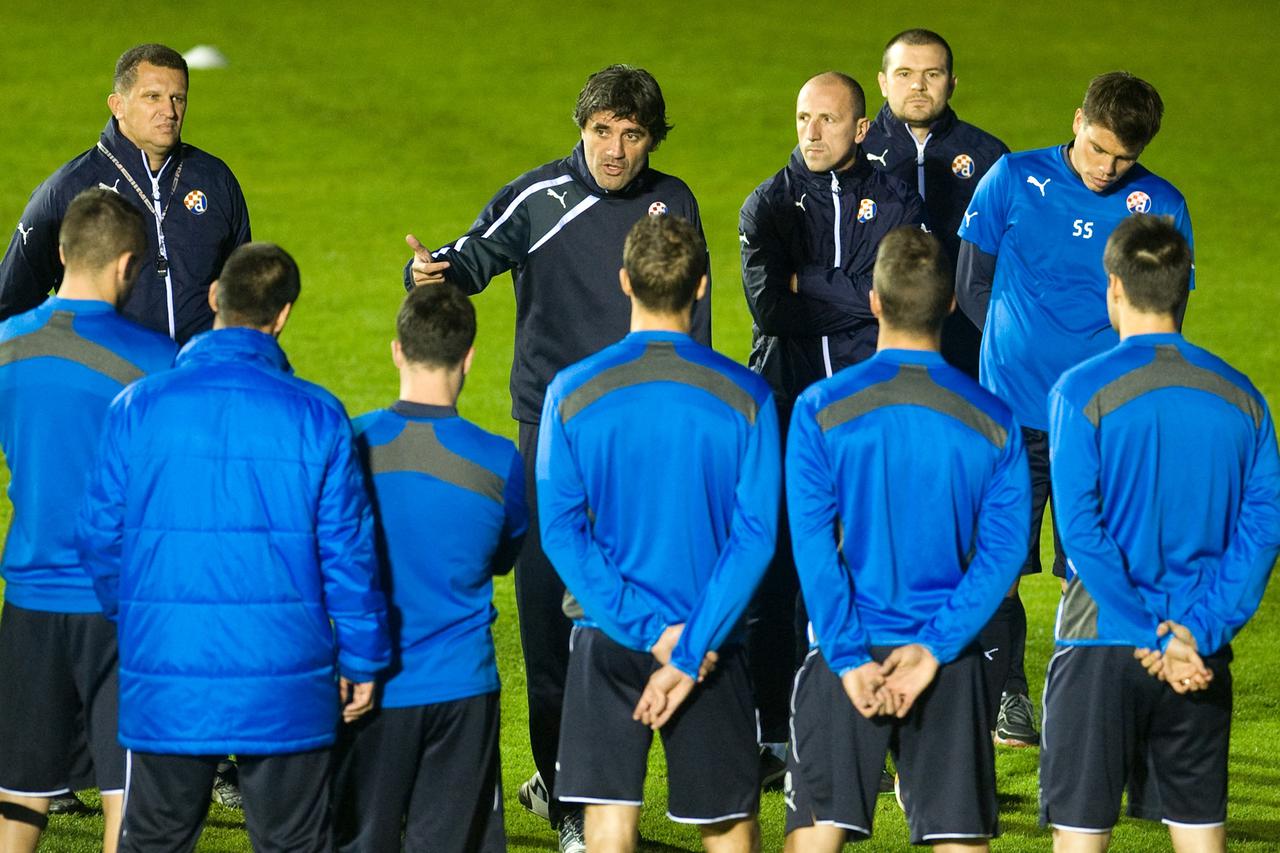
x,y
975,273
348,563
852,292
515,521
816,537
999,550
100,527
498,241
619,608
31,267
987,216
1102,566
753,533
1236,589
766,279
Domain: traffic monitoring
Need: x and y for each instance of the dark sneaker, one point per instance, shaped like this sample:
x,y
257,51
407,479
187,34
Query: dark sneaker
x,y
888,781
533,795
1016,723
226,785
772,770
68,804
572,838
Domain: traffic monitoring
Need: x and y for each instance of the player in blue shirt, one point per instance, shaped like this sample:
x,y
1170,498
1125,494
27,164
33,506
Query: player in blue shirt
x,y
449,502
1166,482
658,488
1030,275
908,494
61,364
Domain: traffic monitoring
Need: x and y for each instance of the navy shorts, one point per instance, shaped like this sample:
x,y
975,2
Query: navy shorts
x,y
710,743
59,672
941,749
1109,722
431,769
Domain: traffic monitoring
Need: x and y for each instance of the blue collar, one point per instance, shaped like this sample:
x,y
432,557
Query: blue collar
x,y
1154,339
79,306
234,344
652,336
911,356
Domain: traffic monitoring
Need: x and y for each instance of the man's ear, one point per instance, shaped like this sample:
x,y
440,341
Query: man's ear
x,y
467,359
397,354
213,296
281,319
115,103
625,281
702,289
876,308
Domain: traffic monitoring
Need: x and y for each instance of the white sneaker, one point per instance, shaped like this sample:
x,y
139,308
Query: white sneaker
x,y
572,839
533,796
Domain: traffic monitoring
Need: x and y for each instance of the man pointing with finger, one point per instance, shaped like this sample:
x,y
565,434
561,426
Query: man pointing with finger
x,y
559,230
896,598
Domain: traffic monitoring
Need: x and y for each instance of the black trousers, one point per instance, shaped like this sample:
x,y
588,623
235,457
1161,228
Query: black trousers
x,y
286,801
544,630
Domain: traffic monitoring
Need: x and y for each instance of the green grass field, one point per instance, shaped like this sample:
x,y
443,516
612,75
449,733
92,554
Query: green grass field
x,y
350,125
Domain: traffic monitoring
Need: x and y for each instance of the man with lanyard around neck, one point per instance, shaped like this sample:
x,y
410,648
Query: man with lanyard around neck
x,y
195,212
808,237
559,230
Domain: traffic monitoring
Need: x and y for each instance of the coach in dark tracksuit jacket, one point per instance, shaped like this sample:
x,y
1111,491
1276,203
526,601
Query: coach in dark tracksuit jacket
x,y
192,199
809,236
945,169
560,230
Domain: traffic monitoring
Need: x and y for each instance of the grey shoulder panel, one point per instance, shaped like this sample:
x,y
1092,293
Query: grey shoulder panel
x,y
1169,369
912,386
417,449
660,363
1078,618
58,339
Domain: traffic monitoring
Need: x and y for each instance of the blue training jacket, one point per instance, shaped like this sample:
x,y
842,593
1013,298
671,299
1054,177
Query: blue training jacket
x,y
61,364
910,503
449,503
658,489
825,229
228,532
1166,490
204,219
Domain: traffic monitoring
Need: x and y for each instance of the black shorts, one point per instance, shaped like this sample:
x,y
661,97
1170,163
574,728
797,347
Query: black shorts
x,y
942,751
286,801
1037,444
59,672
1106,720
710,743
432,769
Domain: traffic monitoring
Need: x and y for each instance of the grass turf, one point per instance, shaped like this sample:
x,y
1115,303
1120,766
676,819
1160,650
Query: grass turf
x,y
349,126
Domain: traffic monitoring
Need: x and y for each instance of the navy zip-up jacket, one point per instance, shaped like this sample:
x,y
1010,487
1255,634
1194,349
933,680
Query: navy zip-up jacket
x,y
825,229
945,170
205,218
562,235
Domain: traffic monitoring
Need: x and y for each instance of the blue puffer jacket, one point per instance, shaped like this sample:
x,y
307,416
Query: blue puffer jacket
x,y
228,532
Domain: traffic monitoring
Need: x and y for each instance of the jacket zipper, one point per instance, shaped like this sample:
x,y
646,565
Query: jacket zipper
x,y
161,248
835,234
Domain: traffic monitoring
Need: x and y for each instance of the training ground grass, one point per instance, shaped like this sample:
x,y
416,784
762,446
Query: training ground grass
x,y
350,126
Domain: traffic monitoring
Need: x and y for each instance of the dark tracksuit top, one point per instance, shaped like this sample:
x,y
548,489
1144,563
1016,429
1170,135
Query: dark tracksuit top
x,y
561,234
204,219
945,170
824,228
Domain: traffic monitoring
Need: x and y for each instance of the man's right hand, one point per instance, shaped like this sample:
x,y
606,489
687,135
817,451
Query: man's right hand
x,y
661,650
425,269
864,685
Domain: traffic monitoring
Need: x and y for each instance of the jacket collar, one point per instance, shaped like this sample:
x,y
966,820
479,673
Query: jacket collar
x,y
234,344
130,155
896,129
856,173
423,410
577,163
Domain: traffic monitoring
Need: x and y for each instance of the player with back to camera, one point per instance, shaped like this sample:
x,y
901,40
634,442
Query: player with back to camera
x,y
908,494
1154,573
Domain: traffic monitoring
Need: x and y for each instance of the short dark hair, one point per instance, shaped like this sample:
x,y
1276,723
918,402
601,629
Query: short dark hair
x,y
665,258
857,97
626,92
1126,105
1153,262
155,54
256,282
912,280
98,227
436,325
917,37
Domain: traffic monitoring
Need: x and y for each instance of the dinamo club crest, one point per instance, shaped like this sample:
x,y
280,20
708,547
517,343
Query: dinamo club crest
x,y
1138,202
197,202
962,166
